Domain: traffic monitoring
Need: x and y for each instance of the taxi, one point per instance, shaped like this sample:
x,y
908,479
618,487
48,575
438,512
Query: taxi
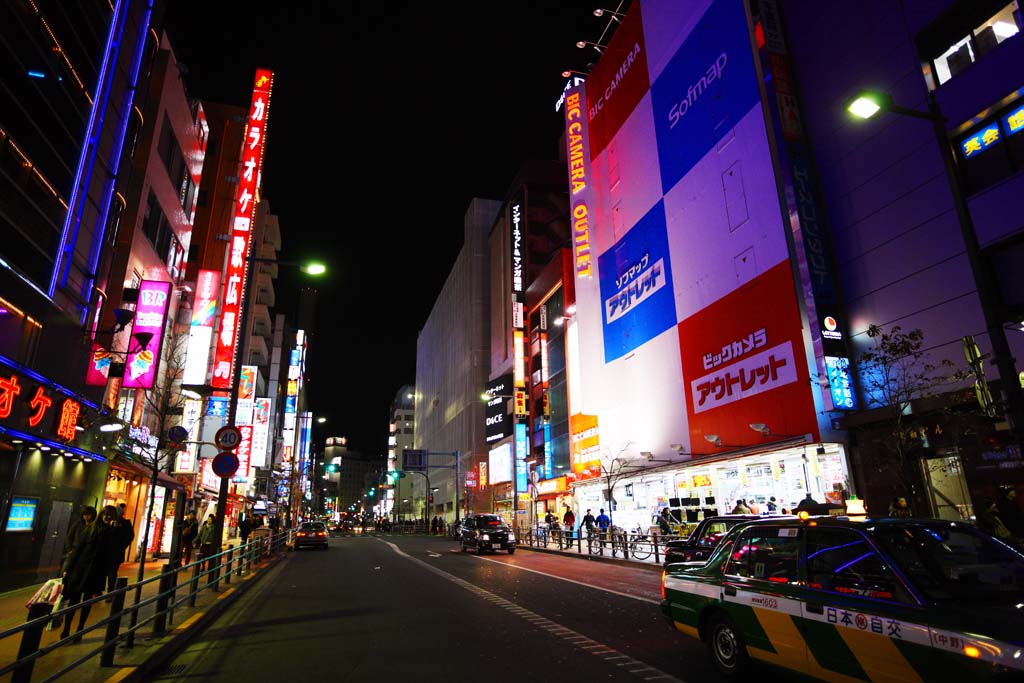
x,y
905,600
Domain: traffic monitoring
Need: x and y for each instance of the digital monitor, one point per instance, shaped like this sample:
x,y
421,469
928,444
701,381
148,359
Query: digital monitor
x,y
673,502
23,514
710,500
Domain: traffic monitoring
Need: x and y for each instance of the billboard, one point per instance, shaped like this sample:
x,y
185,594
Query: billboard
x,y
584,446
200,333
499,467
150,313
636,286
240,243
260,432
498,422
744,362
243,451
99,366
578,154
246,395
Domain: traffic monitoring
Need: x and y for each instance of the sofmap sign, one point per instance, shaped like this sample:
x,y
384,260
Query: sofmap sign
x,y
636,286
706,88
239,246
150,313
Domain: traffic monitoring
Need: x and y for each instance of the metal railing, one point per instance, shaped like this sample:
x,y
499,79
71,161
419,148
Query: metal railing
x,y
615,542
217,568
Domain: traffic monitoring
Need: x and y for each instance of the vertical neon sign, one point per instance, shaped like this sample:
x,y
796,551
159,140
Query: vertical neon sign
x,y
245,207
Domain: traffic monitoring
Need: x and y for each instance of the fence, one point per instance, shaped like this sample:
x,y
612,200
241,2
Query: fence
x,y
215,569
616,542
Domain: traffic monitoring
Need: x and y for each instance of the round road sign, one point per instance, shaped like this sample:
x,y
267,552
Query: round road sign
x,y
225,464
228,438
177,434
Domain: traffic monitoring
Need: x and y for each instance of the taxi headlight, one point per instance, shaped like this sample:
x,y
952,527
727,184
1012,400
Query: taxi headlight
x,y
485,537
511,538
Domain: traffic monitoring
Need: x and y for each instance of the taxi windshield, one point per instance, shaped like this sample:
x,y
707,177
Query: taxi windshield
x,y
949,561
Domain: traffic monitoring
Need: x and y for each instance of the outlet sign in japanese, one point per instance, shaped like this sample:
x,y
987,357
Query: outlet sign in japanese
x,y
150,312
636,286
240,242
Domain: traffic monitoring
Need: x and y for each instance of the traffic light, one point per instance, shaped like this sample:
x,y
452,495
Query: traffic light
x,y
332,468
372,492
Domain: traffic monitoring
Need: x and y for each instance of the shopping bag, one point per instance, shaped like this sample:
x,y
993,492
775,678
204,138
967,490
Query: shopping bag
x,y
55,622
47,594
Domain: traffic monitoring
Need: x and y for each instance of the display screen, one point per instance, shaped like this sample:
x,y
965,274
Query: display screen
x,y
23,514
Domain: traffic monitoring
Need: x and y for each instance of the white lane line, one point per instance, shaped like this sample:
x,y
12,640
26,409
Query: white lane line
x,y
432,554
562,578
581,641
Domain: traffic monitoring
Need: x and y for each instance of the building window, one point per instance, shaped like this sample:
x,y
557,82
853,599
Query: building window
x,y
965,35
993,149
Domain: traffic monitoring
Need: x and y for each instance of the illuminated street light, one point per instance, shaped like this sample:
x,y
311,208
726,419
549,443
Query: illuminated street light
x,y
864,106
321,420
314,268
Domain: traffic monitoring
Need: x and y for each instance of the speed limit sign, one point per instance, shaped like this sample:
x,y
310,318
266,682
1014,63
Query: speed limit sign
x,y
228,438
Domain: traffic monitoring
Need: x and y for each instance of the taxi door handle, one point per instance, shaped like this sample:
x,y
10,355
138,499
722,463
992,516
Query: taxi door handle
x,y
729,590
815,607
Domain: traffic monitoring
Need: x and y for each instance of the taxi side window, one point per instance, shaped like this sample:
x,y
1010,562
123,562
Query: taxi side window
x,y
842,561
766,553
470,523
712,534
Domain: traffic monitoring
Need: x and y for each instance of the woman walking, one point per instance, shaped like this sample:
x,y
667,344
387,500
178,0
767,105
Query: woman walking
x,y
88,564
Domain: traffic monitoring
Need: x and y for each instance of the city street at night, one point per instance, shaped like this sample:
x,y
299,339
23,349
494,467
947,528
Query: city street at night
x,y
389,607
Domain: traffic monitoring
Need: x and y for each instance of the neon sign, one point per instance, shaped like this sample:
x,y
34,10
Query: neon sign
x,y
240,243
576,140
150,313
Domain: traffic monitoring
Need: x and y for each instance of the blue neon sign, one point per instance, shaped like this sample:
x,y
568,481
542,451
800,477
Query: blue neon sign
x,y
521,451
1014,121
979,140
840,382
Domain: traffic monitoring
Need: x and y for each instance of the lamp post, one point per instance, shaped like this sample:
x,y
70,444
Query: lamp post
x,y
869,103
312,268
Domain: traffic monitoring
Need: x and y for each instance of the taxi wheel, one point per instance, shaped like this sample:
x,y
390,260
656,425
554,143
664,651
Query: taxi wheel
x,y
726,645
511,551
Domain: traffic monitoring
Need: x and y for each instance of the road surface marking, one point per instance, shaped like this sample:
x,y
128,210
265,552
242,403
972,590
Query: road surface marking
x,y
573,637
578,583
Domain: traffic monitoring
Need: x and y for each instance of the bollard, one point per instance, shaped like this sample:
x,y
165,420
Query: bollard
x,y
194,587
163,586
114,626
657,557
241,559
173,595
227,569
30,639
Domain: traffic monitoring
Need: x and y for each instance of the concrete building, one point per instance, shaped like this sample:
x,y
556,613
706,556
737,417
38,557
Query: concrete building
x,y
405,500
452,363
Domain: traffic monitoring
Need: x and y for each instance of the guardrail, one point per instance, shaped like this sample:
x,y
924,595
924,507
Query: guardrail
x,y
613,543
217,568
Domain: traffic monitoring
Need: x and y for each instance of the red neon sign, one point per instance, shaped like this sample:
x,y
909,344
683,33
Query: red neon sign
x,y
240,244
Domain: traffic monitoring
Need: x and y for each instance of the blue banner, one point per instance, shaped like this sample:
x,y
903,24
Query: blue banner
x,y
521,452
705,90
217,406
840,382
636,286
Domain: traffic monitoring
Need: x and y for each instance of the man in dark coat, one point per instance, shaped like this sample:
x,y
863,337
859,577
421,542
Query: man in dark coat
x,y
88,516
88,564
125,534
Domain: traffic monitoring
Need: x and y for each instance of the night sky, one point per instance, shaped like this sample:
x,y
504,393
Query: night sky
x,y
386,119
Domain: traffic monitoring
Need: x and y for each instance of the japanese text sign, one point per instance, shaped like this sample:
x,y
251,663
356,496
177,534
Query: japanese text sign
x,y
150,313
240,243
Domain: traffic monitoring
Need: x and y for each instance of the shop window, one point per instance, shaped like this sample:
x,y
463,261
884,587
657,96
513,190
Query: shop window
x,y
968,32
992,150
767,554
842,561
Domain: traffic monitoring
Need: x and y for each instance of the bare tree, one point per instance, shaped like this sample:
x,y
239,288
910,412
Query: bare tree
x,y
614,469
894,372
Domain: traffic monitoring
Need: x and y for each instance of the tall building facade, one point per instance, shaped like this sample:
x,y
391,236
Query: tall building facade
x,y
405,500
72,75
451,365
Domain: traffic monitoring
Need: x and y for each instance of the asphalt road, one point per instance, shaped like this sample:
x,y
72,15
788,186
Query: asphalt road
x,y
381,608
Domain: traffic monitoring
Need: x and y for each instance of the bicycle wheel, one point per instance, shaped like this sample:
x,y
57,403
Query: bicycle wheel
x,y
641,550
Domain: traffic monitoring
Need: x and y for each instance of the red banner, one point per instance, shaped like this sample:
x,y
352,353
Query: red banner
x,y
240,244
744,363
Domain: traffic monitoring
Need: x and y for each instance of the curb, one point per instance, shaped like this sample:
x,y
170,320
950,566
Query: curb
x,y
635,564
183,633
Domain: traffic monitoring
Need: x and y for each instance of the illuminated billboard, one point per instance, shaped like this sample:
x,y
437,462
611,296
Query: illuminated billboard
x,y
240,244
500,464
150,313
260,432
200,333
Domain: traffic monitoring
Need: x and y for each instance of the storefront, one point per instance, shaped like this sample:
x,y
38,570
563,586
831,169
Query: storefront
x,y
553,495
712,486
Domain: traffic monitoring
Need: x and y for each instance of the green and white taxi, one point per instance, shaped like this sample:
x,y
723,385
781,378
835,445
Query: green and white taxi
x,y
896,600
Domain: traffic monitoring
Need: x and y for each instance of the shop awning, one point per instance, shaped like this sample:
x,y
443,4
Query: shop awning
x,y
169,482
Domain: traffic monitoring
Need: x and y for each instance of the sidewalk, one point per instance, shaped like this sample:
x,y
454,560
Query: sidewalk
x,y
13,613
579,549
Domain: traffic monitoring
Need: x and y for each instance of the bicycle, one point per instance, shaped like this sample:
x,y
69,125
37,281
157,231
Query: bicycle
x,y
640,547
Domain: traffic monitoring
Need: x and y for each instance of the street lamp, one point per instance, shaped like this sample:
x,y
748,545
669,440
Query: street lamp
x,y
869,103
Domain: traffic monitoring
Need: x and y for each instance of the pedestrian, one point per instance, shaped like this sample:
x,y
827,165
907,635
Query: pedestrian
x,y
603,522
1009,511
86,568
244,529
588,522
568,525
189,529
664,522
124,537
752,506
772,505
86,517
204,540
899,508
808,503
740,508
988,520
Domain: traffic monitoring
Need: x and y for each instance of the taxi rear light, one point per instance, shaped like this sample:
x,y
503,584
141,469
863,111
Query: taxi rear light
x,y
972,651
321,533
662,584
303,533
